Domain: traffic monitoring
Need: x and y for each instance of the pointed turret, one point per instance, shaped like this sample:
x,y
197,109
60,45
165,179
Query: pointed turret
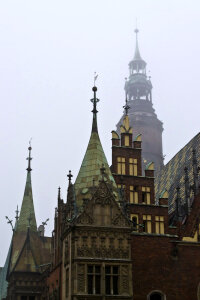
x,y
27,214
89,173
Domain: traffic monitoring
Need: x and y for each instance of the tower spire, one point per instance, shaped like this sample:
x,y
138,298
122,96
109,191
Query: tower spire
x,y
27,214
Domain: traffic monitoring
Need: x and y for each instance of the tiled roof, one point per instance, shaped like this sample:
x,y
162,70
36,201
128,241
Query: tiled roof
x,y
172,174
89,173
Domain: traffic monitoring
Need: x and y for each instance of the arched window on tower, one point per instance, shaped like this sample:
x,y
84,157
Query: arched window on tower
x,y
156,295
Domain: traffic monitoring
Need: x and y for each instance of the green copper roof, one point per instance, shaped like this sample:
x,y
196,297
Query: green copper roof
x,y
27,213
90,173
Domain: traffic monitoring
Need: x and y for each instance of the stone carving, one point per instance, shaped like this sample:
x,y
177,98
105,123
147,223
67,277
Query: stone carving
x,y
81,278
120,220
103,252
85,219
124,279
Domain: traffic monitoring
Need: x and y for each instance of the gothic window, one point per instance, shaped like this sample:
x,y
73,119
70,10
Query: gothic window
x,y
121,167
112,280
146,195
133,166
94,279
147,223
133,194
159,224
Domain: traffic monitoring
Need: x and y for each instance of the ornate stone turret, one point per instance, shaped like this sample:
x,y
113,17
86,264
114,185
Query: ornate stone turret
x,y
143,119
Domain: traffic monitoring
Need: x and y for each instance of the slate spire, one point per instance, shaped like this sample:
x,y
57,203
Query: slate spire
x,y
27,214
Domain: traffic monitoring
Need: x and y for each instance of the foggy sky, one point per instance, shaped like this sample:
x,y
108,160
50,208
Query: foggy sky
x,y
49,51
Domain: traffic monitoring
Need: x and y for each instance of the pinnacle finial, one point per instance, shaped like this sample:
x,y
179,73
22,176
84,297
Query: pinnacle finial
x,y
29,158
94,100
59,192
70,177
126,106
17,214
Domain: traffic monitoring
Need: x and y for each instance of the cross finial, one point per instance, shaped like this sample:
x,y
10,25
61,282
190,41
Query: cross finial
x,y
17,214
45,223
103,169
70,177
10,222
29,158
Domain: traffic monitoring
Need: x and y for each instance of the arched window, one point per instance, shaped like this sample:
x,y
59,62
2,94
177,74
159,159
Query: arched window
x,y
156,295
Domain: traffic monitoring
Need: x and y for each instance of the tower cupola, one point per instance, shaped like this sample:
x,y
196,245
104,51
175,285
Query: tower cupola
x,y
138,85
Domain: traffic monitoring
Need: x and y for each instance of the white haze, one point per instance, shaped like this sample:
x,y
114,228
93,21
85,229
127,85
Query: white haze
x,y
49,51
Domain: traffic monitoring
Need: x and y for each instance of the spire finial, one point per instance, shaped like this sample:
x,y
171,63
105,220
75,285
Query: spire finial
x,y
17,214
126,106
95,100
59,192
29,158
70,177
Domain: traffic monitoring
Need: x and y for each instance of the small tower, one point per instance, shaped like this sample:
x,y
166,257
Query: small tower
x,y
143,119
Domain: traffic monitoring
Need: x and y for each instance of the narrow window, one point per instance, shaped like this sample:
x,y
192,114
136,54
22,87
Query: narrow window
x,y
94,279
121,166
147,223
146,195
133,166
23,297
133,195
67,282
112,280
159,222
126,141
134,219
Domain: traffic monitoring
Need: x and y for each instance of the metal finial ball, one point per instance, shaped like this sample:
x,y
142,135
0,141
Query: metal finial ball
x,y
94,88
136,30
29,148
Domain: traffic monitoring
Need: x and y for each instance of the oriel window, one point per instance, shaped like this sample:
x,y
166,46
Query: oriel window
x,y
133,167
121,166
133,194
159,224
94,279
112,280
